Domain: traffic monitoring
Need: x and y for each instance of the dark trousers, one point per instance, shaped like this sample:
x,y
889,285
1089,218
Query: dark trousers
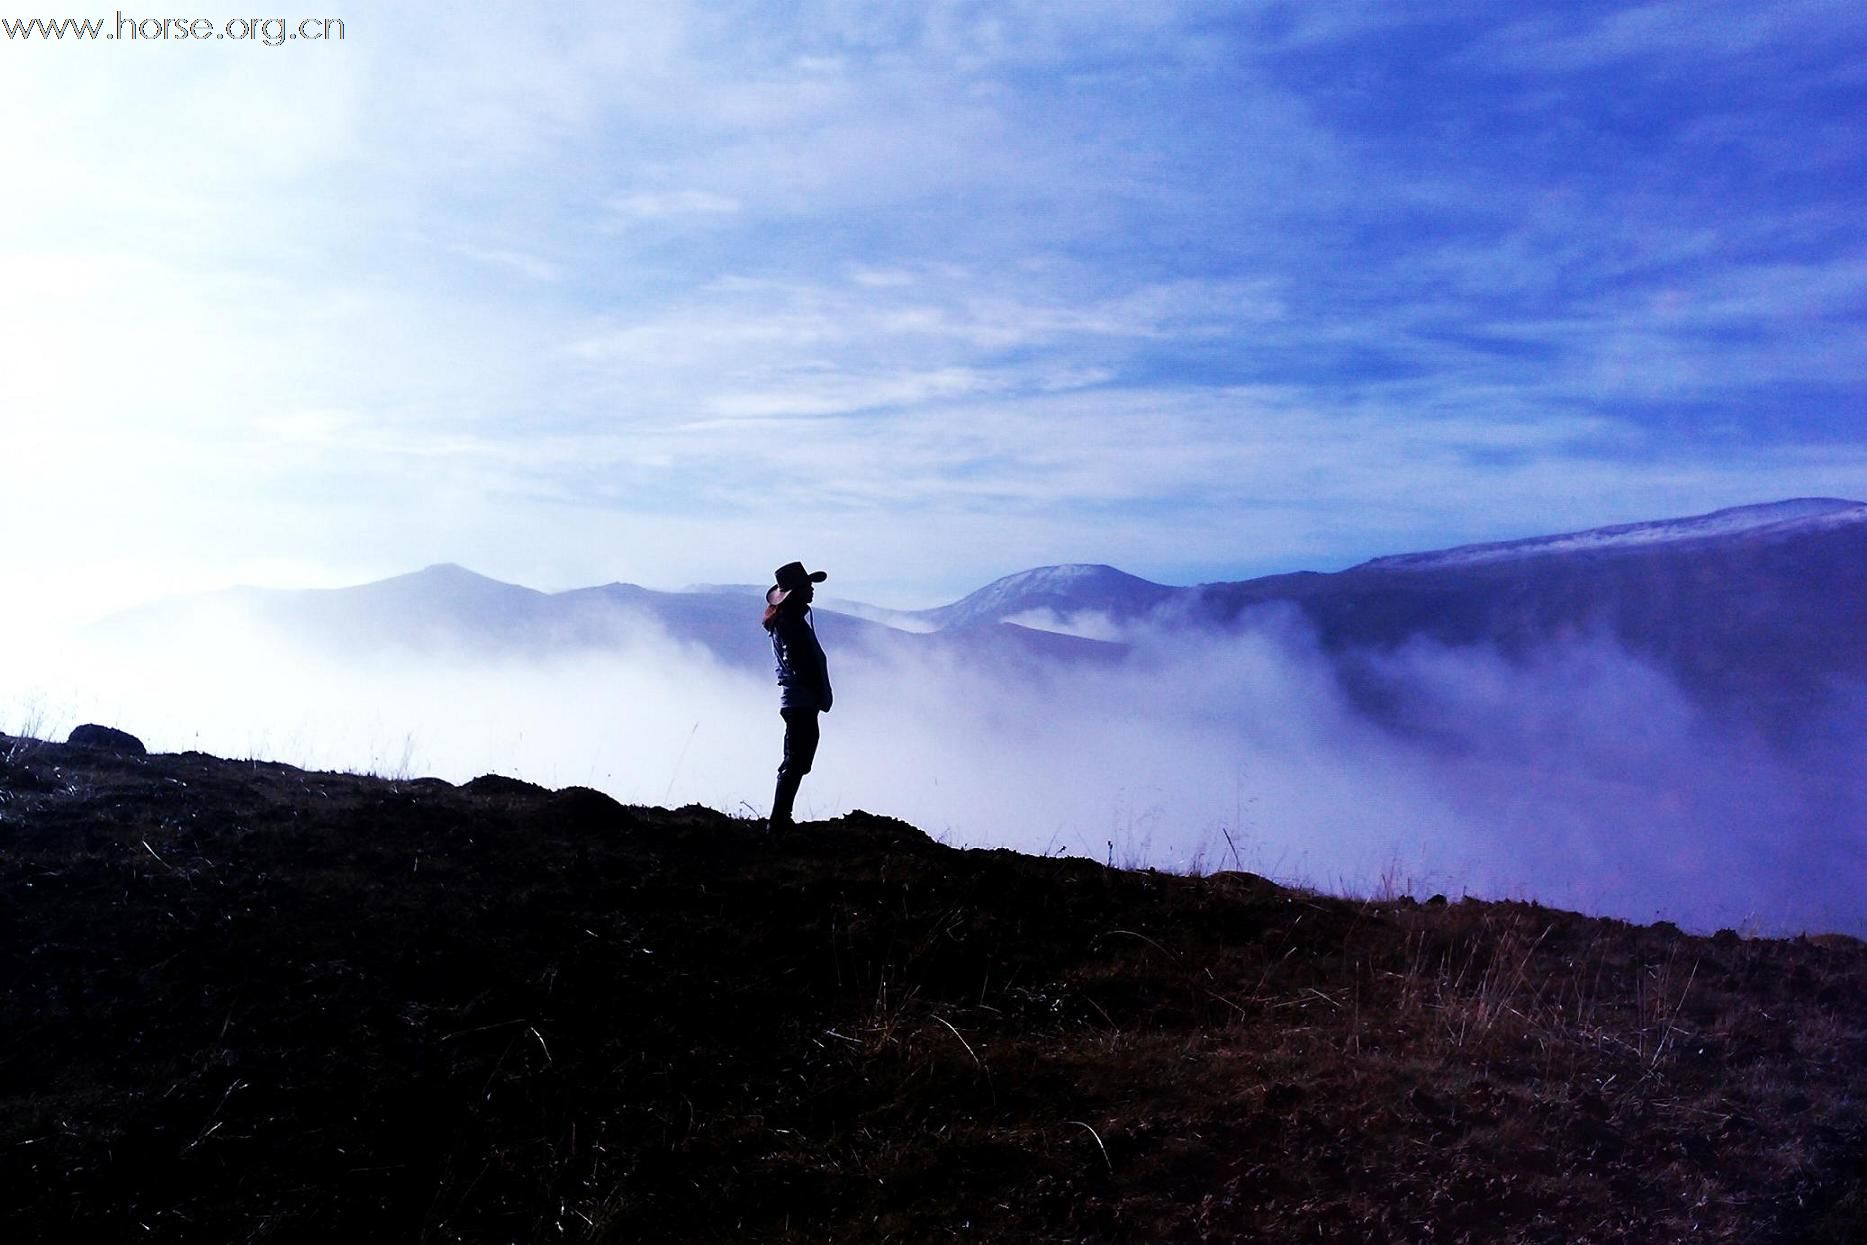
x,y
800,749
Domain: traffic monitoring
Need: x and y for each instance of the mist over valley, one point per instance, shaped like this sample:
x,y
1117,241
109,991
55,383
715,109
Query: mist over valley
x,y
1657,721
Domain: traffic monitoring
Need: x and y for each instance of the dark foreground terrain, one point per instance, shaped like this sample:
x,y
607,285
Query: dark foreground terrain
x,y
244,1002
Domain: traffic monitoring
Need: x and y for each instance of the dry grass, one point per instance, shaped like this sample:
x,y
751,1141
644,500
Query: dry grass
x,y
243,1002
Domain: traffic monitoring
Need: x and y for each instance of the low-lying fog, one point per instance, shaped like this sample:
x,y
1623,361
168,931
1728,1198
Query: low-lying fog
x,y
1583,779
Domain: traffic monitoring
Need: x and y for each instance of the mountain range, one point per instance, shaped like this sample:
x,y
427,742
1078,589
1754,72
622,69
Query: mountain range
x,y
1756,608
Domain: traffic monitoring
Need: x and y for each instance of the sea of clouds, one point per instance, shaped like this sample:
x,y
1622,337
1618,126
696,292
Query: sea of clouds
x,y
1579,777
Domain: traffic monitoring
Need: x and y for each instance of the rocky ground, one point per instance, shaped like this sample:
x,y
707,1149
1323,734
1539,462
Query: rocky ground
x,y
245,1002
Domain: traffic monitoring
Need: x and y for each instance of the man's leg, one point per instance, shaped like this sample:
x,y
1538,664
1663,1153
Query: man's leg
x,y
800,750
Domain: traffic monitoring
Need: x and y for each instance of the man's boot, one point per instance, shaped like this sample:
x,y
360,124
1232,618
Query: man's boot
x,y
781,801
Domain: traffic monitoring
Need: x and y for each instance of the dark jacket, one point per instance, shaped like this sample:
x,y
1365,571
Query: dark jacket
x,y
803,674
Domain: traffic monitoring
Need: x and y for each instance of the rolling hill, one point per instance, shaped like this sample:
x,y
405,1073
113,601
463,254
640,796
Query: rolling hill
x,y
242,1001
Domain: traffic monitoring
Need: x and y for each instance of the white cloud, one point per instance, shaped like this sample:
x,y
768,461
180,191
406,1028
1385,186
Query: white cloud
x,y
981,280
523,263
661,205
1687,39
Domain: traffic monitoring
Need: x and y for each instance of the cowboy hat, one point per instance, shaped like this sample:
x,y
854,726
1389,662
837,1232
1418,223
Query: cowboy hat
x,y
789,578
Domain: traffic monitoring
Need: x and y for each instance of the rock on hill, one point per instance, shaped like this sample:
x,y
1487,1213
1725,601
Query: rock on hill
x,y
243,1001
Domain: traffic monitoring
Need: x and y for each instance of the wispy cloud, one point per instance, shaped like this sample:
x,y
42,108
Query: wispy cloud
x,y
665,204
1190,287
1712,35
520,262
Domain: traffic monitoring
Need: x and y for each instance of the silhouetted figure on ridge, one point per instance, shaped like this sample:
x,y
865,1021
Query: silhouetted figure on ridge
x,y
803,679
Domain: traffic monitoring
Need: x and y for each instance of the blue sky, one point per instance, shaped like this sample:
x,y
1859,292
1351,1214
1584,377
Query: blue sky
x,y
925,294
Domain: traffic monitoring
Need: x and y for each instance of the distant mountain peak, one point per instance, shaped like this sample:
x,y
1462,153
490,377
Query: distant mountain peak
x,y
1071,572
1064,579
1734,521
1067,587
437,573
441,582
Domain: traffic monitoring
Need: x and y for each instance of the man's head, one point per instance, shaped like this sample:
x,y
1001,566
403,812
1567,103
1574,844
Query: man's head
x,y
792,580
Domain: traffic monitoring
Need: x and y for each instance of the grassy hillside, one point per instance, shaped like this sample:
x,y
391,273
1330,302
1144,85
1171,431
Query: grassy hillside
x,y
244,1002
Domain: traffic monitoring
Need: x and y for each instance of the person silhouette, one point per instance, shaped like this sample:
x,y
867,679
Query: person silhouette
x,y
803,679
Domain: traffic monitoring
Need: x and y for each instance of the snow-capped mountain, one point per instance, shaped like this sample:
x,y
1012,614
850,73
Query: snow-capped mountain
x,y
1049,595
1778,518
1760,608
